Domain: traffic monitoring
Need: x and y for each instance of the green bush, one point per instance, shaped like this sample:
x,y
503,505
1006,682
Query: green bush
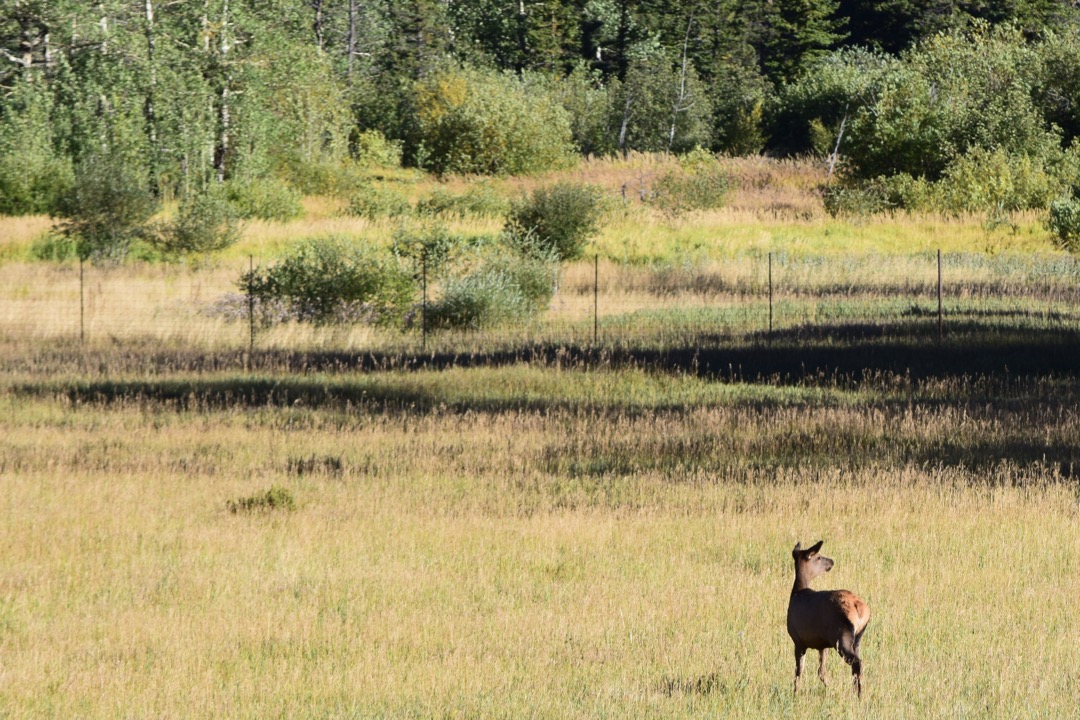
x,y
36,188
430,246
478,201
1064,222
372,149
995,180
54,247
373,201
322,176
329,281
503,287
205,223
860,199
486,122
108,207
264,199
559,219
701,185
33,175
276,498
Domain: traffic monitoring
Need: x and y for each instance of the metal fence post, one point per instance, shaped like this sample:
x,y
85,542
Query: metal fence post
x,y
596,300
940,313
82,304
423,305
251,308
770,297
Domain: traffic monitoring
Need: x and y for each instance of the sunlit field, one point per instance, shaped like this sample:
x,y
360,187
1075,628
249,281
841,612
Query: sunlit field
x,y
530,542
586,516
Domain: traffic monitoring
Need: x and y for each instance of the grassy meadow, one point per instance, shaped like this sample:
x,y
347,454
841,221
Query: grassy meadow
x,y
339,525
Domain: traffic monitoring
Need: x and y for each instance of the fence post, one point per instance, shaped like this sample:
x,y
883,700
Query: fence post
x,y
770,297
940,313
82,304
596,300
251,309
423,305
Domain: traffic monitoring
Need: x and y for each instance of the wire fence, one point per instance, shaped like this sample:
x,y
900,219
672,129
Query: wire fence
x,y
598,303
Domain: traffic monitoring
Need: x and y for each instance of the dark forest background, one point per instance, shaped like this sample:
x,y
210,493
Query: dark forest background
x,y
913,103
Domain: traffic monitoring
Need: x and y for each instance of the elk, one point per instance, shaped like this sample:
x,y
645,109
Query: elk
x,y
823,619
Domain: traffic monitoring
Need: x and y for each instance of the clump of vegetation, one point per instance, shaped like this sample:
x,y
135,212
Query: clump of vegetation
x,y
107,209
859,199
54,247
373,201
276,498
557,220
429,247
699,184
328,281
264,199
205,223
503,286
487,122
480,200
315,465
372,149
1064,222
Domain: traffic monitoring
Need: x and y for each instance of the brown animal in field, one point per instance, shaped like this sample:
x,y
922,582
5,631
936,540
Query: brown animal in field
x,y
819,620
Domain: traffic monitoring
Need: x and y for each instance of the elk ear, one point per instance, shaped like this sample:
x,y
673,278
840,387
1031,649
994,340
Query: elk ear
x,y
813,549
798,548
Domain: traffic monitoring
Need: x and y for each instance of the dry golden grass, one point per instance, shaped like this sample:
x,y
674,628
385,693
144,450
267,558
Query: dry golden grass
x,y
447,560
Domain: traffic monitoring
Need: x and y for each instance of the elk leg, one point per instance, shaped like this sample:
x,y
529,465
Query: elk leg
x,y
800,657
821,667
848,647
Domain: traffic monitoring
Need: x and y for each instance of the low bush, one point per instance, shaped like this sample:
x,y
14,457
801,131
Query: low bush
x,y
478,201
54,247
205,223
372,149
329,281
559,219
430,246
859,199
107,209
503,287
676,193
373,201
264,199
1064,222
276,498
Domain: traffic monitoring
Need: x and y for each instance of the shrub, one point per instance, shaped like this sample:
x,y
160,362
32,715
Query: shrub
x,y
1064,222
327,281
276,498
205,223
54,247
701,185
372,149
378,201
431,245
34,177
858,199
504,287
995,180
264,199
559,219
486,122
32,188
478,200
322,176
107,208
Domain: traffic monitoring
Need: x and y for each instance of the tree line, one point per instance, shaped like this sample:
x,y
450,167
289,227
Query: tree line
x,y
913,103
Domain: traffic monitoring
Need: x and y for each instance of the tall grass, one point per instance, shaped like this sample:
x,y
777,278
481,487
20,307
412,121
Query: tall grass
x,y
521,541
